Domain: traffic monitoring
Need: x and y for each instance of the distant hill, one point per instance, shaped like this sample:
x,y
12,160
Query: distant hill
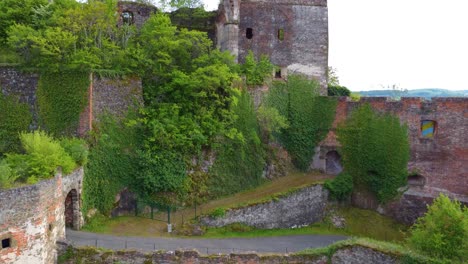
x,y
426,93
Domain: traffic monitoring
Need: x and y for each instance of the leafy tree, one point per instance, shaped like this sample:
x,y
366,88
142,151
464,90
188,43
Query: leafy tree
x,y
443,231
375,151
332,77
256,72
338,91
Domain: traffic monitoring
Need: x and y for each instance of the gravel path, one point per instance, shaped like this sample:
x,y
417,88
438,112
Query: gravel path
x,y
282,244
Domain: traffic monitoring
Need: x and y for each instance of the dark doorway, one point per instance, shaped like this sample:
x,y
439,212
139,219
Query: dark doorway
x,y
249,33
333,163
416,180
71,209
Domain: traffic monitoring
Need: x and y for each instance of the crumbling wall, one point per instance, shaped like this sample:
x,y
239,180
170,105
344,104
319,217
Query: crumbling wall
x,y
439,160
292,33
140,12
32,219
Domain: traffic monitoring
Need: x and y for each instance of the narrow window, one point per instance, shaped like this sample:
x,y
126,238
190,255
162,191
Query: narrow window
x,y
281,34
428,128
249,33
127,17
6,243
278,74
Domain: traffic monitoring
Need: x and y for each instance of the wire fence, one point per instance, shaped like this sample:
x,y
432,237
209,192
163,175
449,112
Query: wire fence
x,y
149,246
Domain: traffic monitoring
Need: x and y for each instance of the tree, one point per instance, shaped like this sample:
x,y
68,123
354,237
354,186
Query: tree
x,y
443,231
375,151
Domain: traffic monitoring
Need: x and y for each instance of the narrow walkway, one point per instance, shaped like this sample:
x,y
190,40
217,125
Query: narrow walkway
x,y
283,244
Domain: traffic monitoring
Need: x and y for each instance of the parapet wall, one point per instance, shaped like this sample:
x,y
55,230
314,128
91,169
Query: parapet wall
x,y
32,218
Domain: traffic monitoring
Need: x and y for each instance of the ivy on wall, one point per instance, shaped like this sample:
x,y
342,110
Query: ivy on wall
x,y
62,97
375,151
241,159
309,116
14,118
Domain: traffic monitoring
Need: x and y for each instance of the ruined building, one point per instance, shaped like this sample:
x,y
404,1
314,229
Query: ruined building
x,y
293,33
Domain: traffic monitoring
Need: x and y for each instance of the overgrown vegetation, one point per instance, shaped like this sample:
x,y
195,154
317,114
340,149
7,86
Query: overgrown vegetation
x,y
443,231
309,116
256,71
375,151
340,187
42,156
62,97
14,118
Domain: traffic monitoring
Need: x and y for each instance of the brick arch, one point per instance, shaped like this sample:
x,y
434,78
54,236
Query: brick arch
x,y
72,210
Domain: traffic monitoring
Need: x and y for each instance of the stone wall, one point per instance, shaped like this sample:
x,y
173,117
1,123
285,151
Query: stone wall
x,y
22,85
140,12
301,208
344,254
438,162
302,45
32,218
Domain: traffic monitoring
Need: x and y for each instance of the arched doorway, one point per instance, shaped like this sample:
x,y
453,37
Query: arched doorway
x,y
72,210
333,163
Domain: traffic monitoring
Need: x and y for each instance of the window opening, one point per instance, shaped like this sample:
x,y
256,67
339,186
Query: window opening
x,y
428,128
6,243
281,34
127,17
249,33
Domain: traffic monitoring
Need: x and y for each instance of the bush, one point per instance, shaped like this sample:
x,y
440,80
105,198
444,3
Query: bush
x,y
77,149
7,176
375,151
218,213
337,90
443,231
341,187
14,118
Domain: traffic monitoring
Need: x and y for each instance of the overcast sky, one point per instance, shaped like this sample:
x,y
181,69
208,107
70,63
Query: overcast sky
x,y
411,43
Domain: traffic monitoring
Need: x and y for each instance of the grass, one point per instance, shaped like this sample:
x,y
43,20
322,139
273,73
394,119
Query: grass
x,y
140,226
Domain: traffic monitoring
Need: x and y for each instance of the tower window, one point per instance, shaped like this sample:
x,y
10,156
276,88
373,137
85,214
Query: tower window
x,y
281,34
127,17
249,33
428,128
278,74
6,243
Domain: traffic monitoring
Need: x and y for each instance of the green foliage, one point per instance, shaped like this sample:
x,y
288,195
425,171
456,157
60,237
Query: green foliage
x,y
77,149
256,72
340,187
443,231
338,91
375,151
240,158
309,116
194,19
332,77
61,98
7,176
270,121
14,118
218,213
113,163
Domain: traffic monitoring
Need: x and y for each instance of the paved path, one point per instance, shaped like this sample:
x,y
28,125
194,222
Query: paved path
x,y
283,244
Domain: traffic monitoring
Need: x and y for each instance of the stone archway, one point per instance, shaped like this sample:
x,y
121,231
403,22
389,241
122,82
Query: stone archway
x,y
72,210
333,163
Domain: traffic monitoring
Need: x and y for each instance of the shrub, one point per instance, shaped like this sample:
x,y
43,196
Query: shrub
x,y
256,72
7,175
337,90
341,187
375,151
14,118
218,213
443,231
76,148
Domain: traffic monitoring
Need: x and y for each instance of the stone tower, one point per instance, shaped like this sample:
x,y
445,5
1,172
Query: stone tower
x,y
293,33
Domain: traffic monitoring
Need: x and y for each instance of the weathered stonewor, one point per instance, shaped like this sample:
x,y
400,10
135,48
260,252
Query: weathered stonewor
x,y
33,218
438,163
139,12
292,33
300,208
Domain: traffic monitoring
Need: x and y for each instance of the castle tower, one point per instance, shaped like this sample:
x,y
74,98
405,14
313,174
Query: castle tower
x,y
293,33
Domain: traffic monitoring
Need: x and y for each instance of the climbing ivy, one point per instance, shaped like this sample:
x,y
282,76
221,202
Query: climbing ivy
x,y
14,118
375,151
309,116
241,159
62,97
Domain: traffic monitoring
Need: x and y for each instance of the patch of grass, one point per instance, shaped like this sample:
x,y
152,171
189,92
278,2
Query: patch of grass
x,y
138,226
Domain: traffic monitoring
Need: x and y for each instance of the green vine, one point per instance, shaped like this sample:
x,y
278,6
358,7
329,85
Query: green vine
x,y
375,151
62,97
309,116
14,118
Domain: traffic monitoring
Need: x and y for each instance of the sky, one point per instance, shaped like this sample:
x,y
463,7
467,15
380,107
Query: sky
x,y
412,44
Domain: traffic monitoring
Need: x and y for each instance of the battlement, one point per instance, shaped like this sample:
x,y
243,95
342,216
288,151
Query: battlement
x,y
290,2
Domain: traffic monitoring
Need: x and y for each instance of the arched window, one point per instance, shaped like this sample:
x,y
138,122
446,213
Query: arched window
x,y
127,17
